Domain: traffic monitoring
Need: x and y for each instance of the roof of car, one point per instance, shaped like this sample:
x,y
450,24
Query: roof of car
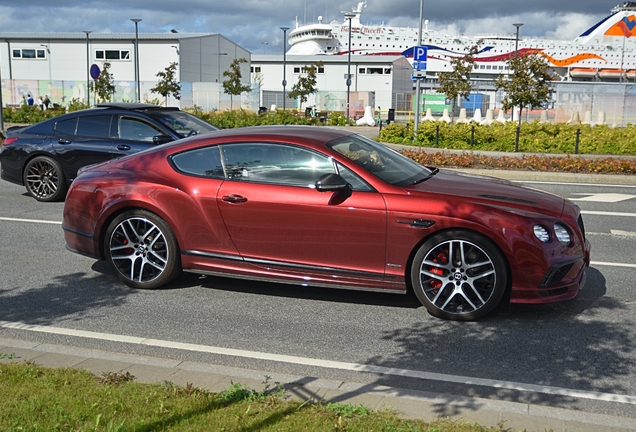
x,y
133,106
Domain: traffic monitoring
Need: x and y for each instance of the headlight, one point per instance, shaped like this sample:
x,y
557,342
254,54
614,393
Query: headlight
x,y
562,234
542,233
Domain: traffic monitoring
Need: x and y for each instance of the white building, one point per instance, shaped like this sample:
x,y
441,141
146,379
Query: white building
x,y
375,81
58,64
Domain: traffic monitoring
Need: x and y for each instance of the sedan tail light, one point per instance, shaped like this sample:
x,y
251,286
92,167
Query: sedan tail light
x,y
11,140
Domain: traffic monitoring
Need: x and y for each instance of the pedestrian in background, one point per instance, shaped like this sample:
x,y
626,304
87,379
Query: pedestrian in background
x,y
41,103
29,99
23,101
46,101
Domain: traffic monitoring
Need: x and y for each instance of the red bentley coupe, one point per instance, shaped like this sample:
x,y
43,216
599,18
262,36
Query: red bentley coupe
x,y
325,207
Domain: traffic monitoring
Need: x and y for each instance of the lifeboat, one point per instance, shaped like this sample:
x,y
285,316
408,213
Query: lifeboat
x,y
583,72
610,73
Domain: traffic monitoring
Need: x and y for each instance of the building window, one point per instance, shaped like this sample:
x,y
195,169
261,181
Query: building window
x,y
29,53
374,71
321,70
362,71
296,70
112,55
256,69
387,71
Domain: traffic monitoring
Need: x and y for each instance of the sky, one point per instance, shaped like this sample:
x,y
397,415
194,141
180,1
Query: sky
x,y
255,24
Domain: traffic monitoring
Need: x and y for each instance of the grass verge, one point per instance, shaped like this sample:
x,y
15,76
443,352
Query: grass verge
x,y
37,398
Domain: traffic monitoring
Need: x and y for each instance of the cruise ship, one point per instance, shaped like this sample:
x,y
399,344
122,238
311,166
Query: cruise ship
x,y
600,53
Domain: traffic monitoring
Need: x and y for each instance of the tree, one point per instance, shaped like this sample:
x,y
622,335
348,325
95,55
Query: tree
x,y
233,85
104,85
167,83
529,83
306,84
457,83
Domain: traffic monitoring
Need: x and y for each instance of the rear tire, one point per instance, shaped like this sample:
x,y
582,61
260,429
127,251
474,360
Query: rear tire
x,y
44,179
459,275
142,250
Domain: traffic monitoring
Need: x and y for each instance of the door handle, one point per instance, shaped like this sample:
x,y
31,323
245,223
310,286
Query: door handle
x,y
234,199
123,147
63,141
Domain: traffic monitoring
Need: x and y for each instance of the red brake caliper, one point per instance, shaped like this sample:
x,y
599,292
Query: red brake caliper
x,y
442,259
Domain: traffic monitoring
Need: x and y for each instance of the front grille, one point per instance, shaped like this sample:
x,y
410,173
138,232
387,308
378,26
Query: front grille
x,y
558,291
581,226
555,274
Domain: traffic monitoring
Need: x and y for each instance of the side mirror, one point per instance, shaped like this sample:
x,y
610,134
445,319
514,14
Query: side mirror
x,y
333,183
162,139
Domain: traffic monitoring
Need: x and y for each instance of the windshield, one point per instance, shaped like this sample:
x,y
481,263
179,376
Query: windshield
x,y
383,162
183,123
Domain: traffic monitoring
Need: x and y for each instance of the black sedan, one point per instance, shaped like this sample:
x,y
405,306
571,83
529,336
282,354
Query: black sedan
x,y
45,157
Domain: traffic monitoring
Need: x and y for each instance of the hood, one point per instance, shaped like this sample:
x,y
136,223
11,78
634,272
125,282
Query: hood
x,y
490,190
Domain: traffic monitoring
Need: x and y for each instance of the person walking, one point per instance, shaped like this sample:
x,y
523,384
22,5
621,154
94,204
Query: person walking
x,y
41,103
29,99
46,101
23,101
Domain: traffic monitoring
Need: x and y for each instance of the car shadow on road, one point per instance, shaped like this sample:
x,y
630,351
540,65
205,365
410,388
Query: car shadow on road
x,y
568,345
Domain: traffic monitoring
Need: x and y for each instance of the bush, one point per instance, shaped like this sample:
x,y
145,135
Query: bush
x,y
534,137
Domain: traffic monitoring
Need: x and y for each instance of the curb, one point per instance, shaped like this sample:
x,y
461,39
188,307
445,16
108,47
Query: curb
x,y
411,404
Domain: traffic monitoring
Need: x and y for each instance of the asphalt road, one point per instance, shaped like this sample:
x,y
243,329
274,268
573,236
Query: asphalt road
x,y
584,348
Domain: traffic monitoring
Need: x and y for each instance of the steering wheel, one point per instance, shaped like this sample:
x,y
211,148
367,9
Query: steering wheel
x,y
192,132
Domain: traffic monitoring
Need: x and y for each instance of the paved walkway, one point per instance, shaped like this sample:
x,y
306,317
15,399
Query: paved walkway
x,y
408,403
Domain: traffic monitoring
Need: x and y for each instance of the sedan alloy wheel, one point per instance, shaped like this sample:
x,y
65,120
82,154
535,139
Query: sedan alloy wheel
x,y
44,179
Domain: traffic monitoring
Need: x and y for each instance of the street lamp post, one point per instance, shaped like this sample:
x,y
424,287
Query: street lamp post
x,y
284,29
517,38
419,80
88,69
349,16
136,21
620,71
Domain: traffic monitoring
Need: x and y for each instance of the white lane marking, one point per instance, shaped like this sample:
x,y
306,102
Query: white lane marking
x,y
609,264
603,213
306,361
623,233
30,220
575,184
603,197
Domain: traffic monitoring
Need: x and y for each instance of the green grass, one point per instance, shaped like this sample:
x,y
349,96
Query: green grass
x,y
35,398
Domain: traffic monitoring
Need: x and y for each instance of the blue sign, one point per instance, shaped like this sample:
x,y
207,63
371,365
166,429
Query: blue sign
x,y
420,53
95,71
419,65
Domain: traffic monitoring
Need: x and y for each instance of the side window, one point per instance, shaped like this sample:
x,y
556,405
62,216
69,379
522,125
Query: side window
x,y
67,126
275,163
94,126
353,179
136,130
204,162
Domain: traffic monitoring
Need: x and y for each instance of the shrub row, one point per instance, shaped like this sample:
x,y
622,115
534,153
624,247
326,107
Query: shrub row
x,y
534,137
571,164
242,118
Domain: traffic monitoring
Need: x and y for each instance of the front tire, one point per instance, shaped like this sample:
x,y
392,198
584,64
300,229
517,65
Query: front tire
x,y
44,179
142,250
459,275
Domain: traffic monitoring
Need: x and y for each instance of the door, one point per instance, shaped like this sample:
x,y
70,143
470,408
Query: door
x,y
133,135
275,216
81,141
